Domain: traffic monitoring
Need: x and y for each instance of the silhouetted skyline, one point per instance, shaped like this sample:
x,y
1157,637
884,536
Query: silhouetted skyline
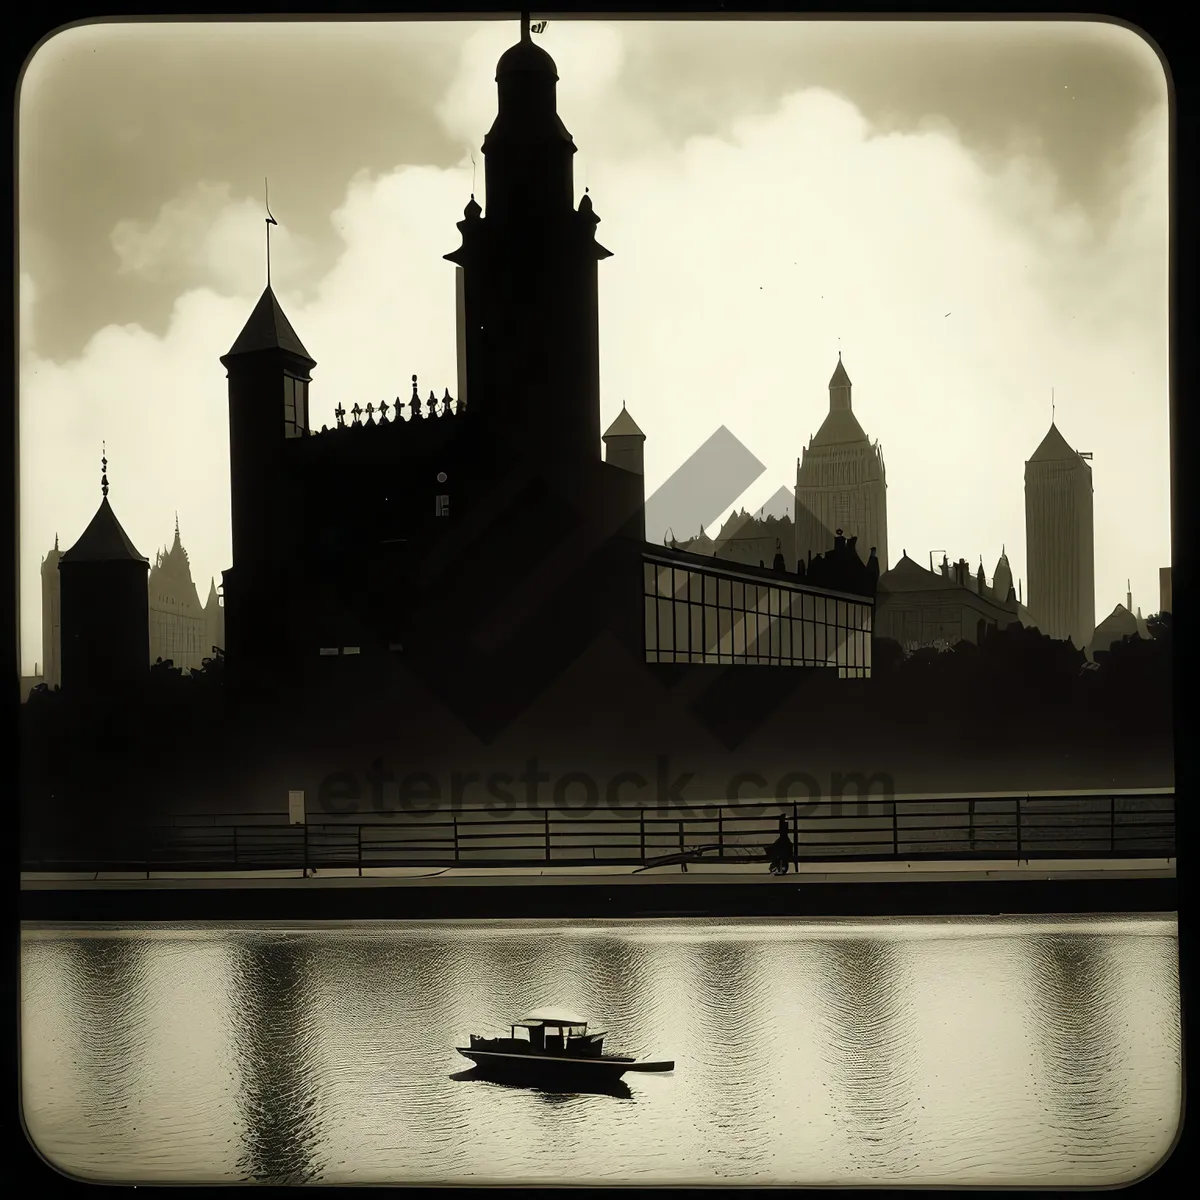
x,y
963,397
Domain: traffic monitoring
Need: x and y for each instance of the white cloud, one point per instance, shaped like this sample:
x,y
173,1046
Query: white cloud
x,y
740,260
206,237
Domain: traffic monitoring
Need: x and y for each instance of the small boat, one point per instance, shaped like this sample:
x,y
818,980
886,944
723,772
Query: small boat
x,y
552,1044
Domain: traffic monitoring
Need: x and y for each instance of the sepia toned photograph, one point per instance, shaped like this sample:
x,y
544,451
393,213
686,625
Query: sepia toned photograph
x,y
595,602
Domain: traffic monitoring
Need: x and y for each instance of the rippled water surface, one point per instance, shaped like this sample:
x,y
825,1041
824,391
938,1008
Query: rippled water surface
x,y
1015,1051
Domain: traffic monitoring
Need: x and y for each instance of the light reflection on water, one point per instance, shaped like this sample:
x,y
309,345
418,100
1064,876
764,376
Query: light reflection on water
x,y
1015,1051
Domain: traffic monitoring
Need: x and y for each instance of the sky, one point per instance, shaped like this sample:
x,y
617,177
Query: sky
x,y
974,213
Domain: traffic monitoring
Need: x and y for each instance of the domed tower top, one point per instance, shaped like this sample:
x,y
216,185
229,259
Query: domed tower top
x,y
528,149
525,57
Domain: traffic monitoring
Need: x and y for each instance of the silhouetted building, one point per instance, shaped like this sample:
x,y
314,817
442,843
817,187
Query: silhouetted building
x,y
51,673
1164,589
702,610
1059,542
105,607
840,481
181,630
918,607
1124,621
701,544
333,530
753,539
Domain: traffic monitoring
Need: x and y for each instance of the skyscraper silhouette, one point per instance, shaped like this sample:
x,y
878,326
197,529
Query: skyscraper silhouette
x,y
52,618
1059,544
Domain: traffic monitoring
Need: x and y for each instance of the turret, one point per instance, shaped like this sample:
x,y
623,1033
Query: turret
x,y
105,607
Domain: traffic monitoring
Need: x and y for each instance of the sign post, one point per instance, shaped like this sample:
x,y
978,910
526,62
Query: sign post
x,y
295,808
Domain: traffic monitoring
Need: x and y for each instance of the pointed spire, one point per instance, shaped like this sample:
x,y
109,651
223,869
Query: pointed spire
x,y
839,388
56,541
177,527
525,27
104,470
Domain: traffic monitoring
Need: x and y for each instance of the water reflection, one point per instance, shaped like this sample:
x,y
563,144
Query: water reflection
x,y
993,1053
866,1005
276,1053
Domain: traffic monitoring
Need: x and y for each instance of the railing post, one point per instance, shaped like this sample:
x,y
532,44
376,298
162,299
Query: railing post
x,y
1112,824
971,824
1020,807
642,831
546,813
720,832
454,830
895,831
235,846
796,837
358,845
305,848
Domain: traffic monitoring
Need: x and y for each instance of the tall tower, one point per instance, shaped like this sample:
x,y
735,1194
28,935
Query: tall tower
x,y
105,606
177,623
529,279
269,372
51,618
840,483
1059,544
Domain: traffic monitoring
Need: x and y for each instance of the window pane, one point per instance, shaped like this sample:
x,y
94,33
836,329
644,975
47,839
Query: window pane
x,y
681,627
710,589
651,632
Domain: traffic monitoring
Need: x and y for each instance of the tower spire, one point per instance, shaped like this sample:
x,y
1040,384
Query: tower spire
x,y
1051,406
525,27
270,221
103,471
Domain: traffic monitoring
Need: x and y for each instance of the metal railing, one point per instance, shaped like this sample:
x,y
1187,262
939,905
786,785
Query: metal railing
x,y
1119,826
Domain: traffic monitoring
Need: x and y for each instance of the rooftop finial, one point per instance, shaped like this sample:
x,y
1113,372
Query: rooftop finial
x,y
177,526
270,221
1051,406
104,470
524,27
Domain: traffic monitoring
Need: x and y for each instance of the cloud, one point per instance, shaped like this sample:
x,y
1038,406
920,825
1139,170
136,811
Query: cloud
x,y
206,237
740,260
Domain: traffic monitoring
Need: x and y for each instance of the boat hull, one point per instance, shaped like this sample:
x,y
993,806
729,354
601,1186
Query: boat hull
x,y
536,1066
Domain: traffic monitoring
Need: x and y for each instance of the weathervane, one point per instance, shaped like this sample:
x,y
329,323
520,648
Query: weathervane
x,y
270,221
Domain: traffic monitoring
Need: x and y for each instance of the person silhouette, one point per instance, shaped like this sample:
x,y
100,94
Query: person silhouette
x,y
780,850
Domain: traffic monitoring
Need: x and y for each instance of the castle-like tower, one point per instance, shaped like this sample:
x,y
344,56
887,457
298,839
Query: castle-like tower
x,y
840,483
51,619
344,539
105,609
529,279
1059,545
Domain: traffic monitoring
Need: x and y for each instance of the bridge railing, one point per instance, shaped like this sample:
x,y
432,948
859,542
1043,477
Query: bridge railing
x,y
1129,826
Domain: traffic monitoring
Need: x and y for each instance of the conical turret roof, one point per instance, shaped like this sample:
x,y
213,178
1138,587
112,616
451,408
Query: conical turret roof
x,y
104,541
624,426
269,329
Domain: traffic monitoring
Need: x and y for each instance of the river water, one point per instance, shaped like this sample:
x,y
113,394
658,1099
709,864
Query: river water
x,y
1026,1051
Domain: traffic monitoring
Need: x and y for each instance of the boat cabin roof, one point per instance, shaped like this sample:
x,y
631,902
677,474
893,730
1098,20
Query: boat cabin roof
x,y
555,1018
